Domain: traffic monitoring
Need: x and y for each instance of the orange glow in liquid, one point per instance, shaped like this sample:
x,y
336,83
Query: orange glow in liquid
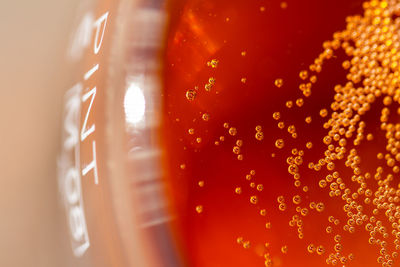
x,y
275,117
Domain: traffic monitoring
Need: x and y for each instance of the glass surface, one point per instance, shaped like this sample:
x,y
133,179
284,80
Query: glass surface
x,y
234,133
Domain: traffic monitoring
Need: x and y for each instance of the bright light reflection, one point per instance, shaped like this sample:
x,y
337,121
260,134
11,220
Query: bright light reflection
x,y
134,104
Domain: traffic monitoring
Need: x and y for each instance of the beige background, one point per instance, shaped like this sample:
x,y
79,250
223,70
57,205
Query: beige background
x,y
32,48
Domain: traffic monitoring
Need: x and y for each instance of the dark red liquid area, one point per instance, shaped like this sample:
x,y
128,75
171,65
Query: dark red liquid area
x,y
279,42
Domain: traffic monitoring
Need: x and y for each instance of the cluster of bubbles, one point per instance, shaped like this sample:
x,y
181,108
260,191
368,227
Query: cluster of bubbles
x,y
372,44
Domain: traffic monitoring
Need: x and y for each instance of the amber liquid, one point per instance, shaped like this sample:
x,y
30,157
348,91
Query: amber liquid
x,y
253,43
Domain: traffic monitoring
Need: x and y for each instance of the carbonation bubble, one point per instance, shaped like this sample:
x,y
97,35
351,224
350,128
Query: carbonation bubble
x,y
320,250
291,129
199,208
253,199
282,206
313,79
191,94
320,207
337,238
304,211
323,113
259,136
276,115
327,140
346,64
309,145
232,131
296,199
279,143
387,100
303,74
213,63
205,117
338,247
311,248
236,150
322,183
279,83
300,102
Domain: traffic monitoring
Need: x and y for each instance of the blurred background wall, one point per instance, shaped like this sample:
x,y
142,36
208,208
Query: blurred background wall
x,y
32,50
